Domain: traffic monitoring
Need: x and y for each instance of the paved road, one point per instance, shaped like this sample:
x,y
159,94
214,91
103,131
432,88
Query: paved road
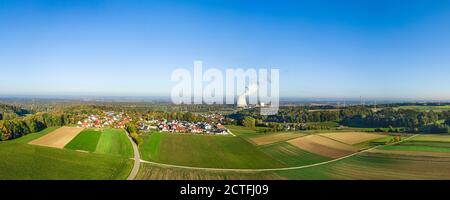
x,y
273,169
137,159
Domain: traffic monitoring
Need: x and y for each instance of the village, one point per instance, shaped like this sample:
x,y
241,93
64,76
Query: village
x,y
177,126
118,120
108,119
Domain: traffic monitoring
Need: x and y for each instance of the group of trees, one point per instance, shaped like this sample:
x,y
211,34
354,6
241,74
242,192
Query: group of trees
x,y
397,118
8,112
249,122
10,129
132,129
410,120
356,116
291,114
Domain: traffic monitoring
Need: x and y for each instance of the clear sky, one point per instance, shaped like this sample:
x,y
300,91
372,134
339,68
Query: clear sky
x,y
378,49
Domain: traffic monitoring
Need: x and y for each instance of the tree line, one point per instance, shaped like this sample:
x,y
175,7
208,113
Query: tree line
x,y
15,128
355,116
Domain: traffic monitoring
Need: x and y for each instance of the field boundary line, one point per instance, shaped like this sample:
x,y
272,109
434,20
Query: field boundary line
x,y
272,169
320,135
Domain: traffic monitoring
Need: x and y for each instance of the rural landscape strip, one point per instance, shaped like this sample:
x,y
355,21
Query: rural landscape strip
x,y
137,159
274,169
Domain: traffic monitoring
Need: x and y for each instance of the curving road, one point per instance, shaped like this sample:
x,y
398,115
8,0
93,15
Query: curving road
x,y
273,169
137,159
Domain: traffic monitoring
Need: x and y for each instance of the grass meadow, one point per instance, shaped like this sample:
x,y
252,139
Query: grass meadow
x,y
87,140
291,155
204,151
103,141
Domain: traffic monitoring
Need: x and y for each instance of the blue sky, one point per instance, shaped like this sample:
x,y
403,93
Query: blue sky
x,y
377,49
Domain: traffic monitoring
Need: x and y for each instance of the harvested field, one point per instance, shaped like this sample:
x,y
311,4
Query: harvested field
x,y
353,137
274,138
323,146
58,138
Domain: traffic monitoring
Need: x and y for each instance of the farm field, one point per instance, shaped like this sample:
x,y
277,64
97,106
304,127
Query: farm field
x,y
57,138
21,160
323,146
413,145
104,141
204,151
376,166
114,141
291,155
274,137
153,172
437,155
376,142
427,143
426,108
353,137
245,131
432,138
87,140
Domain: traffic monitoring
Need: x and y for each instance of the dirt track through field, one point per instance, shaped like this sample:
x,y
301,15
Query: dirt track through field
x,y
58,138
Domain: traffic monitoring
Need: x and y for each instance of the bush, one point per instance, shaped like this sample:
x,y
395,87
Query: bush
x,y
249,122
136,138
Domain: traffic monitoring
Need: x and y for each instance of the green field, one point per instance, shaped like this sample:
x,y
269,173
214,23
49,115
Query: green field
x,y
425,142
204,151
87,140
104,141
291,155
114,141
152,172
20,160
245,131
413,145
149,151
